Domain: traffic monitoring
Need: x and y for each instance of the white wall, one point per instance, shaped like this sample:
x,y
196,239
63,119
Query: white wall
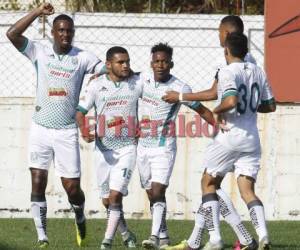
x,y
197,54
277,183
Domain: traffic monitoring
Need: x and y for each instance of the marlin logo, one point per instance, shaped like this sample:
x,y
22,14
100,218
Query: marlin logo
x,y
290,26
103,89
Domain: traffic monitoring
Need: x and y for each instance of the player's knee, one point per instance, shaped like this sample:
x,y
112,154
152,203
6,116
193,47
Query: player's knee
x,y
39,181
115,198
248,195
105,202
207,181
158,195
73,189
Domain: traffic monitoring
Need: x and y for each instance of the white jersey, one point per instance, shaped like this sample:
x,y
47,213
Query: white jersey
x,y
59,81
249,83
157,117
116,107
247,58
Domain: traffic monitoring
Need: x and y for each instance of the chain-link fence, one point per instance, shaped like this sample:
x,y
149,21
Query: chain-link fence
x,y
197,53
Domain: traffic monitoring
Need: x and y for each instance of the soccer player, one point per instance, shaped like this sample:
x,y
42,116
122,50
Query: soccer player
x,y
157,143
229,24
243,90
53,136
115,96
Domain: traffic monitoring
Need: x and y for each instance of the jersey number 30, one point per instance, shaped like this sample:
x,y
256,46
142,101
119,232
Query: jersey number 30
x,y
253,102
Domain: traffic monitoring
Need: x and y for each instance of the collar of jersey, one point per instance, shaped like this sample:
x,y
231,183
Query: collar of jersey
x,y
51,52
117,84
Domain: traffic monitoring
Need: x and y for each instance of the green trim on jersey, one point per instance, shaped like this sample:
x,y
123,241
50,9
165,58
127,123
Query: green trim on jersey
x,y
82,110
162,140
266,102
60,57
229,93
117,84
195,105
22,49
36,66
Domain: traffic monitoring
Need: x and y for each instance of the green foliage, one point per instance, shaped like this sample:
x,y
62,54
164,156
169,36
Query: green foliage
x,y
151,6
10,5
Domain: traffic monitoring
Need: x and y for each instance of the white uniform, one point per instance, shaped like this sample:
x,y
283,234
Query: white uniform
x,y
239,148
157,143
59,79
116,107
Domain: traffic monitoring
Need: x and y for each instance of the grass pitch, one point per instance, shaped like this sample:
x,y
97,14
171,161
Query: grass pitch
x,y
19,234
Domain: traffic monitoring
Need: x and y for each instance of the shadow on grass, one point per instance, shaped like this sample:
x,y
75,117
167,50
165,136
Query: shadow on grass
x,y
3,246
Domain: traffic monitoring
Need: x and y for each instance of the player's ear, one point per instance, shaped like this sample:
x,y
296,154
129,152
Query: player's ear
x,y
151,64
171,64
226,51
108,65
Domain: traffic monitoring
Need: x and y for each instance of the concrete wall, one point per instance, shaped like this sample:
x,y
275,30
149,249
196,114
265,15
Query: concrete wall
x,y
277,181
197,54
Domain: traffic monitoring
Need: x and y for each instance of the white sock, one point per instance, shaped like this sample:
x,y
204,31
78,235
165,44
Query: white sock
x,y
114,213
212,216
231,216
79,212
123,229
39,214
257,216
194,240
163,231
158,210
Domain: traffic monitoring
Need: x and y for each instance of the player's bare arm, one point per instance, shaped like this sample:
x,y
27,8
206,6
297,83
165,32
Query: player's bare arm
x,y
206,95
84,130
206,114
267,107
227,104
15,32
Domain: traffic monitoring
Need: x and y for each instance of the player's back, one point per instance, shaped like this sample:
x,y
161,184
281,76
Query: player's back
x,y
247,81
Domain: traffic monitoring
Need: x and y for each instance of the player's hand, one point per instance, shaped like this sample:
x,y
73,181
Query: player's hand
x,y
46,9
221,123
88,137
171,96
94,77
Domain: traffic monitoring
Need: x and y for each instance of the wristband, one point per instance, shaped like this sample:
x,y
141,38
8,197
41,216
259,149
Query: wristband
x,y
180,97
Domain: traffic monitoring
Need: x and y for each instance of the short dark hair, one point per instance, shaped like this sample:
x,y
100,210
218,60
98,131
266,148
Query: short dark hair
x,y
115,50
63,17
235,22
162,47
237,44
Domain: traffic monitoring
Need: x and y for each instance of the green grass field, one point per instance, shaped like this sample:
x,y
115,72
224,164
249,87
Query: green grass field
x,y
19,234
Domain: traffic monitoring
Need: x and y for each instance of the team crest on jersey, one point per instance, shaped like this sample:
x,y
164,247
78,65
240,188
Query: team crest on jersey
x,y
74,60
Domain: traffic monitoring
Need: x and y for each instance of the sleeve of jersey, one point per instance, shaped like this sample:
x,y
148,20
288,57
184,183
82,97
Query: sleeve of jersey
x,y
140,82
87,99
193,105
94,64
29,49
227,84
267,95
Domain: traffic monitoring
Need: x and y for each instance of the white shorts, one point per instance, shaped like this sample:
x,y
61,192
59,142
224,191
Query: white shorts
x,y
60,145
155,165
218,160
114,169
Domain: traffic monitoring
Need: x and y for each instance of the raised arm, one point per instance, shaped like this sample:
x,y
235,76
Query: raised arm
x,y
15,32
